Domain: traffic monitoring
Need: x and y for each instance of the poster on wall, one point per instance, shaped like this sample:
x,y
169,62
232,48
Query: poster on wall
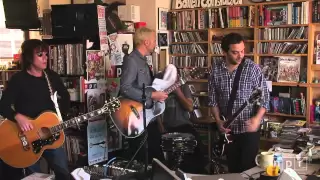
x,y
162,18
97,141
102,28
121,45
95,89
113,87
95,64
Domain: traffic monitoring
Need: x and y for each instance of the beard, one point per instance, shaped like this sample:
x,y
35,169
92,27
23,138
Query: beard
x,y
234,61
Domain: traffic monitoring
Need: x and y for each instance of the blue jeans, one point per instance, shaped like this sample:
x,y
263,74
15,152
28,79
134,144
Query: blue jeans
x,y
57,161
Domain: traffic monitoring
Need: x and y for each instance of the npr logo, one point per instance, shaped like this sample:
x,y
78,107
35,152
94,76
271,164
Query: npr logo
x,y
300,166
114,72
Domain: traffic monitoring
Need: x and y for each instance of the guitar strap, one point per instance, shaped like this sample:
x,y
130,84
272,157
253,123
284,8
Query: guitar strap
x,y
234,90
53,97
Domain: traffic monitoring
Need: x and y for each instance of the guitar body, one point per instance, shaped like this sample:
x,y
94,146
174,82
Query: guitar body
x,y
129,118
224,140
22,150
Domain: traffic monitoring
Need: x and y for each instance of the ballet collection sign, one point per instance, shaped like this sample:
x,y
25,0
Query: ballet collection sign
x,y
185,4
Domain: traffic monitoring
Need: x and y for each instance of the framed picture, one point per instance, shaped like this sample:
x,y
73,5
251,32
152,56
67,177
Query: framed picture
x,y
162,18
163,40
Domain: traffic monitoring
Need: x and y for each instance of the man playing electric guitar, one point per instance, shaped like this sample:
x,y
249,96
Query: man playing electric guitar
x,y
135,73
242,151
28,92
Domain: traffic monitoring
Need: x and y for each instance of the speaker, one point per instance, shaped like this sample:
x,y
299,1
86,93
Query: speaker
x,y
21,14
74,20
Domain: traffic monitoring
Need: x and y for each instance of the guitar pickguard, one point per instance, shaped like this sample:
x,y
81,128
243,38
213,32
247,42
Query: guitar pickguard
x,y
136,126
37,145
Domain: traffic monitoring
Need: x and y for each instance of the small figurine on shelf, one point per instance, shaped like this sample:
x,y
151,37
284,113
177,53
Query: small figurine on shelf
x,y
317,111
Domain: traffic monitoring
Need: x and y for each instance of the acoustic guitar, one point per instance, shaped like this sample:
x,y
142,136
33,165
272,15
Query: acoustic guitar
x,y
129,118
23,149
225,138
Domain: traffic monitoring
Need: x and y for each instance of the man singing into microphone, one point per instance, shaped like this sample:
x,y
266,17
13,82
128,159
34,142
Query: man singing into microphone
x,y
135,73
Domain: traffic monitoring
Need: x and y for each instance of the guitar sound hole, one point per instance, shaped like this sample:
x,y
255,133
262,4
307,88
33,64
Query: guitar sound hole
x,y
45,138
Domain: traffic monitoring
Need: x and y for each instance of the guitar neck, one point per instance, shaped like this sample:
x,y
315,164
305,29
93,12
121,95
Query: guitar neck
x,y
75,121
235,115
173,87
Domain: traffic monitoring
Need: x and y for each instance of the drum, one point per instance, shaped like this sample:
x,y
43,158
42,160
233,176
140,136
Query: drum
x,y
175,145
178,142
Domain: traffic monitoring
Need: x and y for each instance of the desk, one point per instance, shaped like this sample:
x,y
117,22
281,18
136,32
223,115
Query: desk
x,y
254,172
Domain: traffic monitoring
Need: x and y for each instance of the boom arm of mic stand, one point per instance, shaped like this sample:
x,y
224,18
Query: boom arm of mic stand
x,y
144,101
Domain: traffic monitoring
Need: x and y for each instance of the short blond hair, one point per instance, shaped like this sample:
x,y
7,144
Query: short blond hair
x,y
141,34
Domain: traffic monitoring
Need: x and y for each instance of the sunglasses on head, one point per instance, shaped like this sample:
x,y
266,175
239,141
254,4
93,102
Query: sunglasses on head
x,y
40,54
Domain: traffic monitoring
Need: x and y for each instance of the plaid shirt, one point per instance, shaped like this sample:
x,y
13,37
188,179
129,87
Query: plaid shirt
x,y
220,85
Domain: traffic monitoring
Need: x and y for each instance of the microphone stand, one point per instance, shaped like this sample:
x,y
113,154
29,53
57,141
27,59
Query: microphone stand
x,y
144,99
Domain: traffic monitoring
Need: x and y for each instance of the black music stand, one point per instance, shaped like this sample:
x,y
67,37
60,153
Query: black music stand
x,y
143,101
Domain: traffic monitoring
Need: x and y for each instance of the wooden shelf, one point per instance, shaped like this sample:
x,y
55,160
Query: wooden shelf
x,y
10,70
282,54
187,30
284,26
315,85
202,42
198,94
285,115
252,34
293,84
315,67
188,54
285,40
199,81
217,55
219,41
232,28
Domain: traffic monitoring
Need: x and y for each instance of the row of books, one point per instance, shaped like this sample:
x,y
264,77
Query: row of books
x,y
241,16
316,11
187,20
229,17
283,33
188,49
189,61
66,59
189,36
282,48
291,13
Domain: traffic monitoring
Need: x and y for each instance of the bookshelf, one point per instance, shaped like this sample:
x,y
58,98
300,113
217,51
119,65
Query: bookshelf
x,y
185,23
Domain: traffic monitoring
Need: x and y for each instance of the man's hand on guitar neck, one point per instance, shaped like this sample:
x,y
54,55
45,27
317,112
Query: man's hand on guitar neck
x,y
159,96
23,122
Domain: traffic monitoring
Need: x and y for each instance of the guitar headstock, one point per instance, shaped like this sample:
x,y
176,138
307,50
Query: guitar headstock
x,y
111,105
194,73
255,96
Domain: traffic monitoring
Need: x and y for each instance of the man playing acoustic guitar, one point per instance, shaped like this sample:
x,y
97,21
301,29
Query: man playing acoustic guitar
x,y
28,92
225,97
135,73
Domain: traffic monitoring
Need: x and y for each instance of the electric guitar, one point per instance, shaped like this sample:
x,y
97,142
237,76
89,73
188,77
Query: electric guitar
x,y
129,118
22,149
227,138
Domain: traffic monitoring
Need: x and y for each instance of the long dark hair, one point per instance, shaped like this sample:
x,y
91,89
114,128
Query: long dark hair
x,y
28,49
